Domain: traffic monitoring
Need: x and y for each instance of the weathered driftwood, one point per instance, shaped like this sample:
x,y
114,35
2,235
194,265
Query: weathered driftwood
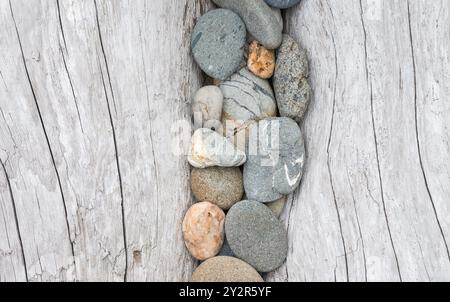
x,y
89,187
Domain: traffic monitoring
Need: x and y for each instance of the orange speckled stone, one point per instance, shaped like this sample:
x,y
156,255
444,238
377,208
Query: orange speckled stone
x,y
203,230
261,61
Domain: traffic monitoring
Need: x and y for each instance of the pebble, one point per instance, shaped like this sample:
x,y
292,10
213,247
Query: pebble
x,y
226,249
218,41
290,80
209,149
221,186
275,169
256,236
263,22
247,99
277,207
261,61
203,230
283,4
225,269
207,108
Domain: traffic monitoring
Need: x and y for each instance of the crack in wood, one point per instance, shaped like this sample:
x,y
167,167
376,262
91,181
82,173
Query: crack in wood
x,y
45,135
16,220
116,149
329,157
416,118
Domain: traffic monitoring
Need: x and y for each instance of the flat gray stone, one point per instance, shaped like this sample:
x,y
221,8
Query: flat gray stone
x,y
247,98
290,80
217,43
264,23
283,4
276,157
256,236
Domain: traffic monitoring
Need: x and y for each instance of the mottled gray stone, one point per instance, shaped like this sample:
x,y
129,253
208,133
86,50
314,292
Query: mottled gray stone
x,y
207,108
276,157
247,98
256,236
290,80
218,41
262,22
210,149
283,4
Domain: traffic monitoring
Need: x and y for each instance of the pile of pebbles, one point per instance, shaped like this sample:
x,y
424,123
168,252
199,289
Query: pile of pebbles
x,y
247,151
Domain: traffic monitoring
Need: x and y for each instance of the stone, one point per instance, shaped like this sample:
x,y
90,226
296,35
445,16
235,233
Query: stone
x,y
261,61
221,186
256,236
203,230
227,270
207,108
210,149
276,158
283,4
277,207
290,81
264,23
226,249
247,99
218,42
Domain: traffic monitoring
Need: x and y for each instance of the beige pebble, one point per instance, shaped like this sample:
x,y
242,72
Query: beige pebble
x,y
226,269
203,230
278,206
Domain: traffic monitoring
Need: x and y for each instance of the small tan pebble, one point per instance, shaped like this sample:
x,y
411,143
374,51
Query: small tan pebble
x,y
203,230
221,186
261,61
226,269
217,82
277,206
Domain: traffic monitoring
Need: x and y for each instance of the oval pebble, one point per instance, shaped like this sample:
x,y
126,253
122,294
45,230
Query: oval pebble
x,y
218,41
261,61
283,4
207,108
225,269
221,186
256,236
263,22
290,80
203,230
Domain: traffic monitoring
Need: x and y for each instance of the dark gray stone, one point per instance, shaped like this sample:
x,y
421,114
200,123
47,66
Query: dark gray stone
x,y
256,236
226,249
218,42
264,23
274,169
290,81
283,4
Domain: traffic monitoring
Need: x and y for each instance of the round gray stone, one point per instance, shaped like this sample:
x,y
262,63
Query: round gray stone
x,y
263,22
275,161
290,81
256,236
283,4
217,43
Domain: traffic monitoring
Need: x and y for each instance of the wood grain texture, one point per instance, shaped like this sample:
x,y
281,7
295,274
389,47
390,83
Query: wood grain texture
x,y
91,191
374,203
